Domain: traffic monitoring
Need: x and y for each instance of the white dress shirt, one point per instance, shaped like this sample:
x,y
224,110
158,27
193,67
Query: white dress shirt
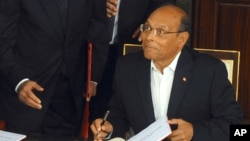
x,y
161,86
114,35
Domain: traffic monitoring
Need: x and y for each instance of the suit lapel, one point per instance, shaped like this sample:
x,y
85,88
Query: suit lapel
x,y
50,7
181,80
143,81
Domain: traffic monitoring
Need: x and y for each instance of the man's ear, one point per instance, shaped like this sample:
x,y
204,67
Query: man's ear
x,y
183,38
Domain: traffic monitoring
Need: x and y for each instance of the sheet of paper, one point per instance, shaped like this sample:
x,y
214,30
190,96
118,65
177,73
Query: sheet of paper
x,y
156,131
10,136
117,139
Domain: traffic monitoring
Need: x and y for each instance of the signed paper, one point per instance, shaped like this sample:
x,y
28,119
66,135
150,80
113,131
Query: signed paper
x,y
156,131
117,139
10,136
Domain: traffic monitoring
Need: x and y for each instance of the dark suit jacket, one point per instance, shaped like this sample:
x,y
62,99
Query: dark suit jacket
x,y
206,98
34,45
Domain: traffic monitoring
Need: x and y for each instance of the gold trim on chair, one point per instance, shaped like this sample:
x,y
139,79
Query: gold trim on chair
x,y
231,58
129,48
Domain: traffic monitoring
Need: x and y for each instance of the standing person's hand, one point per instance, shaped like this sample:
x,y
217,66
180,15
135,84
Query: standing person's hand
x,y
93,87
137,34
111,8
26,94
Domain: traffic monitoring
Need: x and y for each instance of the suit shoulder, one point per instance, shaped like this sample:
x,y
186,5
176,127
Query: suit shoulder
x,y
132,58
204,57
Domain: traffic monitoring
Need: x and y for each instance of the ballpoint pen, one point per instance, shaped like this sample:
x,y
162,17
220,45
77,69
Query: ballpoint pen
x,y
103,121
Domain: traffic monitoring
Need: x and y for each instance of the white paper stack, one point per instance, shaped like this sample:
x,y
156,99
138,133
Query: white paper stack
x,y
10,136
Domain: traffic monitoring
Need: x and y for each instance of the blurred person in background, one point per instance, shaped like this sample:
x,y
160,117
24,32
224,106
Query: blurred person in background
x,y
43,51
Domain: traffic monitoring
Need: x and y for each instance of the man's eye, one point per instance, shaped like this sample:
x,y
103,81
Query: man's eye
x,y
161,31
148,28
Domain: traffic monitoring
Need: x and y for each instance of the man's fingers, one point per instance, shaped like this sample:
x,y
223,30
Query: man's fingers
x,y
26,95
109,13
136,33
174,121
111,3
96,125
31,100
38,87
111,8
33,103
34,98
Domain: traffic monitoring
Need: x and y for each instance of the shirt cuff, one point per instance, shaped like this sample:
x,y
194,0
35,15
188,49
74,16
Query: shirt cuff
x,y
94,82
17,86
109,136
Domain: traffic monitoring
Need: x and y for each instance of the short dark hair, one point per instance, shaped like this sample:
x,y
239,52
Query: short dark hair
x,y
185,24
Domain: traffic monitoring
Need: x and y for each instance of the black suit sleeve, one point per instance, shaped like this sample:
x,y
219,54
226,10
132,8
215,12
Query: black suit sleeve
x,y
97,35
9,66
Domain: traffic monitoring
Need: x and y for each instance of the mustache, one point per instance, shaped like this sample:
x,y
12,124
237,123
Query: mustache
x,y
148,44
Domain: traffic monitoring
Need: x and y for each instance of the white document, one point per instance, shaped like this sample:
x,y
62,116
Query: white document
x,y
156,131
10,136
117,139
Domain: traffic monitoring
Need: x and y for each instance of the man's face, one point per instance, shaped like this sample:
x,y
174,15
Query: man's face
x,y
160,39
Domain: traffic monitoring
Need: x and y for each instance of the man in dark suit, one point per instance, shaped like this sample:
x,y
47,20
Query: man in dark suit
x,y
127,16
170,79
43,61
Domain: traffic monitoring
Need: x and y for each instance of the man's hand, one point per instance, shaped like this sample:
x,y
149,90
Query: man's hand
x,y
137,34
99,131
184,132
92,90
93,86
111,8
27,96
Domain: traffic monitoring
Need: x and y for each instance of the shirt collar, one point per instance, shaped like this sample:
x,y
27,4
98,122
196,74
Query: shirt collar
x,y
171,66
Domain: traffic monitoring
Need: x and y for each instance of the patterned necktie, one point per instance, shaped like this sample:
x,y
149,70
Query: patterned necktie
x,y
63,10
